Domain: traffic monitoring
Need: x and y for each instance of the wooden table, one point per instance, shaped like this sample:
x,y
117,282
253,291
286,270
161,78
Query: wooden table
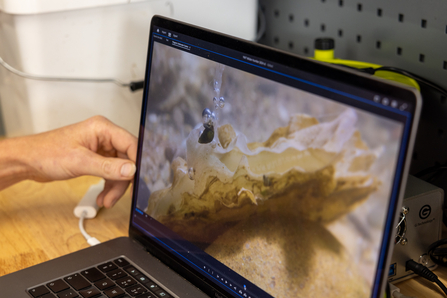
x,y
421,288
37,224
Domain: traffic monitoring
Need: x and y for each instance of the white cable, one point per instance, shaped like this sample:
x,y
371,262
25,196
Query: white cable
x,y
395,292
47,78
90,240
87,208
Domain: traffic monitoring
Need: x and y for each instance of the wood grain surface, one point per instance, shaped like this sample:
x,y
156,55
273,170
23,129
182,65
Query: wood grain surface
x,y
421,288
37,222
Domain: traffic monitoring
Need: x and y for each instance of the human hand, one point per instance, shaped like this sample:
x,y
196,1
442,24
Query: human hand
x,y
93,147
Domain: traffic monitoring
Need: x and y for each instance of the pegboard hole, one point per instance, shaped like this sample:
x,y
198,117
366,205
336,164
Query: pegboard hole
x,y
291,45
276,13
323,27
421,57
291,18
359,38
401,18
359,7
276,40
306,22
399,51
444,65
340,33
306,50
424,23
340,3
379,12
378,44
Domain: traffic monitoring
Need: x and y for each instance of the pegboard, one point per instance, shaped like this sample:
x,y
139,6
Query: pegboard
x,y
408,34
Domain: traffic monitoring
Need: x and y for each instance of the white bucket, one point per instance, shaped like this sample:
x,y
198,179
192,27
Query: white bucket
x,y
91,39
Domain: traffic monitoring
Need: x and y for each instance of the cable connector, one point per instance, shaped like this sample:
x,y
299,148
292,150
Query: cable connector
x,y
421,270
424,272
87,208
395,292
90,240
134,86
93,241
88,202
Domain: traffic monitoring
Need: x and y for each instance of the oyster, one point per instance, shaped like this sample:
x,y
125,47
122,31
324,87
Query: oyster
x,y
318,171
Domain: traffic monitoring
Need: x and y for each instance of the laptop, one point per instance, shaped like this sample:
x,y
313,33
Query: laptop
x,y
260,174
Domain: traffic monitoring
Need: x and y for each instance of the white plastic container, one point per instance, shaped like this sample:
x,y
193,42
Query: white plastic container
x,y
91,39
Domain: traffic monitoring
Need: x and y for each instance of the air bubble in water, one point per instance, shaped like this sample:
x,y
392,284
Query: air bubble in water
x,y
191,173
216,87
221,102
207,117
216,102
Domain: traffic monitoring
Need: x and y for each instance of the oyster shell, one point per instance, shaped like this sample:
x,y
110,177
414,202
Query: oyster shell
x,y
318,171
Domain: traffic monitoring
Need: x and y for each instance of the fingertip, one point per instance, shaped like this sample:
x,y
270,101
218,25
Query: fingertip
x,y
116,191
128,170
100,199
111,200
111,168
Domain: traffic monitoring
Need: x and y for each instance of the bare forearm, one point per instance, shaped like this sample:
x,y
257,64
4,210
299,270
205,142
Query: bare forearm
x,y
13,167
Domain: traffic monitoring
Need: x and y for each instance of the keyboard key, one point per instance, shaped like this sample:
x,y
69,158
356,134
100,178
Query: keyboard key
x,y
104,284
57,285
151,285
114,292
136,290
126,282
121,262
162,294
116,274
106,267
141,278
132,271
77,281
49,295
93,274
68,294
38,291
89,293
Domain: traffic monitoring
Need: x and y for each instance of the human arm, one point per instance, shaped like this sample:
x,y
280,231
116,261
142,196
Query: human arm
x,y
93,147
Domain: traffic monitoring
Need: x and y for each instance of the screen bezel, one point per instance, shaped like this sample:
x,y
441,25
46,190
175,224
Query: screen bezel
x,y
343,76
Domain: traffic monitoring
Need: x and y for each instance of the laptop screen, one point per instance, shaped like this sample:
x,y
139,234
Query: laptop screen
x,y
264,174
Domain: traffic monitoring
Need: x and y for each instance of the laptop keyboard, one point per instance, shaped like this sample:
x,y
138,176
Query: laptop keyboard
x,y
114,279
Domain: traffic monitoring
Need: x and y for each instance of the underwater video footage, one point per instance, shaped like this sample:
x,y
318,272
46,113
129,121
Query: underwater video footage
x,y
285,187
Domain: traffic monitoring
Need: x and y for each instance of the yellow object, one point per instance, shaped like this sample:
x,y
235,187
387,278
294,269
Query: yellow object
x,y
328,56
